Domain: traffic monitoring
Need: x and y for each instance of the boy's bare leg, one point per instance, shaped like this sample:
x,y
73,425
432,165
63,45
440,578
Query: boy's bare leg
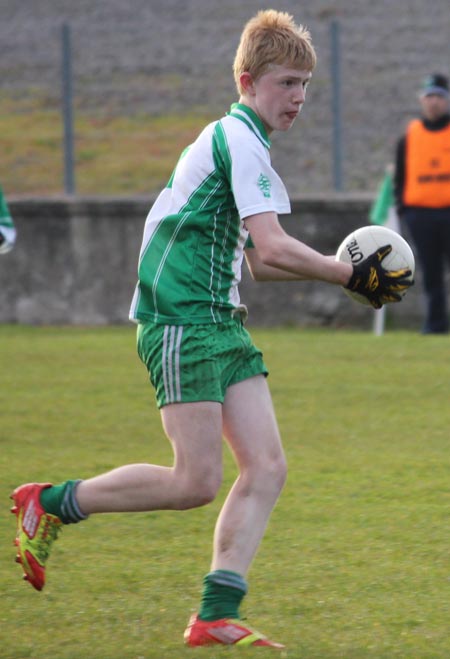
x,y
251,430
195,431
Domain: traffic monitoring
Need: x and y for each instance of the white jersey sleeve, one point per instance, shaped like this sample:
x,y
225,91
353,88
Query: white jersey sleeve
x,y
256,186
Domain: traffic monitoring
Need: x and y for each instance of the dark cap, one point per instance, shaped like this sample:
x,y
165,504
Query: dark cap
x,y
436,83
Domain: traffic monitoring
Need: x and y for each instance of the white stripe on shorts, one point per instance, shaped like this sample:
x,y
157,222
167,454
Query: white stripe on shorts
x,y
171,362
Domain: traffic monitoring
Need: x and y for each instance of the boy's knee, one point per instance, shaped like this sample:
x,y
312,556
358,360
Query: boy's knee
x,y
271,474
200,489
205,492
279,471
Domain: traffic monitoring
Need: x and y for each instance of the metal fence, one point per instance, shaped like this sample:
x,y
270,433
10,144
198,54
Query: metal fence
x,y
168,56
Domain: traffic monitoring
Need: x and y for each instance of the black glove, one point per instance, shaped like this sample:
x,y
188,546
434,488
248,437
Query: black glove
x,y
2,238
378,285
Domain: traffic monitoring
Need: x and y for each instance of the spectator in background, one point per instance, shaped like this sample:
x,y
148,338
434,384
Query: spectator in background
x,y
7,229
422,194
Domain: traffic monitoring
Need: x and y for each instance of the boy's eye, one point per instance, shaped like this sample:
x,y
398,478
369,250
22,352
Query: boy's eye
x,y
292,83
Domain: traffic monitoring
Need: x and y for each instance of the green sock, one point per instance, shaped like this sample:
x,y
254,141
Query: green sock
x,y
60,500
223,592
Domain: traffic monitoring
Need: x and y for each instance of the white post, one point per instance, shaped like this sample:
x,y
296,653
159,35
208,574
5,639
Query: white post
x,y
379,320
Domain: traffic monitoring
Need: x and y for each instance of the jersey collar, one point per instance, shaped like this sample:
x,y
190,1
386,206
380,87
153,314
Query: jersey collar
x,y
251,119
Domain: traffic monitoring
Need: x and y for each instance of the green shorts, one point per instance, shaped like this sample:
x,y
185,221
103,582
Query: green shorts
x,y
189,363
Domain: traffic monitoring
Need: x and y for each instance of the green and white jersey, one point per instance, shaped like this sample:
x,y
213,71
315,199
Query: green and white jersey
x,y
7,229
194,236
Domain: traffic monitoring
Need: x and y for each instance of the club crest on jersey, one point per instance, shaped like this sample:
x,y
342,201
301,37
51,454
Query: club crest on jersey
x,y
264,184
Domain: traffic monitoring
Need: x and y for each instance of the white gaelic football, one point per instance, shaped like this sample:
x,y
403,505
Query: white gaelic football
x,y
364,241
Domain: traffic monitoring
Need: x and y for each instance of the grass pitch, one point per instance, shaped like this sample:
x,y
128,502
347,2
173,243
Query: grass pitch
x,y
354,564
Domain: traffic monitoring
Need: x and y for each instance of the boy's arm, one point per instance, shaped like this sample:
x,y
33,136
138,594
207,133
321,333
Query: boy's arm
x,y
277,255
261,272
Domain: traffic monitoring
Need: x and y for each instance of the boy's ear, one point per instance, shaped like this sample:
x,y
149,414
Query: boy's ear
x,y
247,83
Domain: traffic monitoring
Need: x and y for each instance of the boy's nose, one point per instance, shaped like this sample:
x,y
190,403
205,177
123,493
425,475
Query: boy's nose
x,y
300,95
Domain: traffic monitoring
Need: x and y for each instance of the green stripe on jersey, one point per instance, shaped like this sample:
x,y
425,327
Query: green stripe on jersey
x,y
190,262
194,237
251,119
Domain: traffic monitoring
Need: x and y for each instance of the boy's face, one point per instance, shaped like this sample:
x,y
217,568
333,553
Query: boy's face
x,y
277,96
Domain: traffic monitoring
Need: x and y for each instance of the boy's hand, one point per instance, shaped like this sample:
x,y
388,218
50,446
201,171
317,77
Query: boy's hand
x,y
378,285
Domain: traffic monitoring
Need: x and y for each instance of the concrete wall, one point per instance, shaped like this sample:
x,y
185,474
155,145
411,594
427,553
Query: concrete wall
x,y
75,263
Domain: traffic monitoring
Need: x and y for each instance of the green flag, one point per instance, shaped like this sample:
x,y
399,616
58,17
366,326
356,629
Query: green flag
x,y
384,201
7,228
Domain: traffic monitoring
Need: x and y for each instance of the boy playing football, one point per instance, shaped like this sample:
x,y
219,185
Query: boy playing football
x,y
221,204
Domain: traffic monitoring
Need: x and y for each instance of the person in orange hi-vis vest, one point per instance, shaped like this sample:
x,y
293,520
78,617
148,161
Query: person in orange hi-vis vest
x,y
422,195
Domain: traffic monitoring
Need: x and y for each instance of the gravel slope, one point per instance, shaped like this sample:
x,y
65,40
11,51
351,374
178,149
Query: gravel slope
x,y
160,56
